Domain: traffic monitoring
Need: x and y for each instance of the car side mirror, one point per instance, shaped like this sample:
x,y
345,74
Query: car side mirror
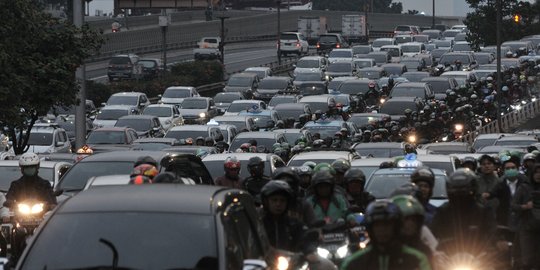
x,y
59,144
176,115
160,96
473,63
103,104
254,265
58,192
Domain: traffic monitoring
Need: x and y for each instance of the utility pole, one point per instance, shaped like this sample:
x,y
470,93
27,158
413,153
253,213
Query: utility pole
x,y
279,30
498,89
433,16
164,23
221,45
80,76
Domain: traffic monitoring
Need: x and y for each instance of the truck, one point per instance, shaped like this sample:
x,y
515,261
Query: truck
x,y
311,27
207,48
353,28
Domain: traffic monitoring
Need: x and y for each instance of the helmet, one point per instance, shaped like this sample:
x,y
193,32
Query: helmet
x,y
409,206
138,179
147,170
310,164
504,88
529,156
29,159
462,182
255,161
231,163
287,174
165,177
355,174
470,160
245,146
304,170
341,165
208,140
423,174
324,167
276,187
407,189
145,160
321,177
382,210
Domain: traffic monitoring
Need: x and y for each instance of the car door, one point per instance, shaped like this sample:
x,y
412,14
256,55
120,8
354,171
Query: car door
x,y
66,148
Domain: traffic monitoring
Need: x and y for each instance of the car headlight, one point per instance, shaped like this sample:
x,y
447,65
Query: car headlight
x,y
324,253
202,115
343,251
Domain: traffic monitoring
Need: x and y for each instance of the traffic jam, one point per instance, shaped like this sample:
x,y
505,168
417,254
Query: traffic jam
x,y
356,159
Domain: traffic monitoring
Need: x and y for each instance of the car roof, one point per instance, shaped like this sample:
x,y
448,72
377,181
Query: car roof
x,y
239,156
370,114
247,101
123,156
394,99
277,78
404,170
456,73
128,94
434,158
42,163
231,118
396,145
318,98
289,106
197,98
138,117
493,135
412,43
311,58
191,127
244,74
230,93
369,161
411,84
517,138
173,198
117,107
180,88
321,155
258,134
342,50
170,141
107,129
436,79
385,39
161,105
257,69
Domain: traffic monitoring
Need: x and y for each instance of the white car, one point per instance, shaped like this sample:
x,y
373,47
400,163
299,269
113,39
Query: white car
x,y
337,55
176,94
293,43
262,72
48,138
134,99
310,64
169,115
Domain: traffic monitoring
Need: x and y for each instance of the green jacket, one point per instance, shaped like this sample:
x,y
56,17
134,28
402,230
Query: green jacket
x,y
401,257
337,208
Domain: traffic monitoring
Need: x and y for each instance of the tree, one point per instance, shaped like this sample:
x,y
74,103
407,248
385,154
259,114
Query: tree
x,y
480,22
379,6
38,55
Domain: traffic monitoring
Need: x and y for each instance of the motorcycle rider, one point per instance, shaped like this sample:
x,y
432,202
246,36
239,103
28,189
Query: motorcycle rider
x,y
385,251
298,208
340,166
355,180
254,183
424,179
231,178
327,204
488,179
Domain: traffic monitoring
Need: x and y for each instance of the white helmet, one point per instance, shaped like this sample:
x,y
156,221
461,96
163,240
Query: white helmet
x,y
29,159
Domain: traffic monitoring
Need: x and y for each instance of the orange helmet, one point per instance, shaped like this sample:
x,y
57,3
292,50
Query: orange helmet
x,y
145,170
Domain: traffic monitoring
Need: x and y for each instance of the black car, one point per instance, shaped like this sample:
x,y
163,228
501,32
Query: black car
x,y
327,42
395,107
145,125
440,85
151,67
125,66
155,226
270,86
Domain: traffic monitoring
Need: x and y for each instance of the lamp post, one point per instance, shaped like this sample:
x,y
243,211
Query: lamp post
x,y
221,45
278,2
433,15
498,89
164,23
80,75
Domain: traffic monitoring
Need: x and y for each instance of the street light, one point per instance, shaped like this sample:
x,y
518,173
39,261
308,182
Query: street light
x,y
278,2
433,16
221,46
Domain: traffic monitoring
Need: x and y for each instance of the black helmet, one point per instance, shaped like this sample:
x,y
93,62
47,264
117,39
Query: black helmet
x,y
288,175
165,177
341,165
208,140
407,189
323,176
355,174
470,160
145,160
255,161
276,187
462,182
382,210
423,174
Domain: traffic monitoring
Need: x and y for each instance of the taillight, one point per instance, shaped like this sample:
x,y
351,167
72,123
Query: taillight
x,y
338,46
297,44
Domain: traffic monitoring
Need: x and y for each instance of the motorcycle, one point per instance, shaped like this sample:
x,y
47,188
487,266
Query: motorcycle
x,y
335,243
25,219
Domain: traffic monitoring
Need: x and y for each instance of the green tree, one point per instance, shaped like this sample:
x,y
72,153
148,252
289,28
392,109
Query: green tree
x,y
38,55
481,21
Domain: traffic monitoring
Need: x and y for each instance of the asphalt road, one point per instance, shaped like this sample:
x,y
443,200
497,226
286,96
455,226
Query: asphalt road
x,y
238,56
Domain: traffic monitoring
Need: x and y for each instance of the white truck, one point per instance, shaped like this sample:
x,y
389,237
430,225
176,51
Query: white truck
x,y
208,48
311,27
353,28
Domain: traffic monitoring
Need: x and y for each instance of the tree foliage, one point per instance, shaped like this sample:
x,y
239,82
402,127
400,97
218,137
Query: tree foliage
x,y
481,22
38,55
379,6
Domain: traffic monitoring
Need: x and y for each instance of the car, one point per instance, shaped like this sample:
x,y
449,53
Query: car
x,y
48,138
462,77
450,34
444,44
263,138
446,148
284,99
483,58
334,84
394,69
108,115
379,149
312,76
124,66
516,45
292,110
396,106
133,99
261,72
466,58
241,105
151,67
411,49
415,76
361,50
294,134
176,94
369,165
153,144
322,156
207,48
214,163
357,87
293,43
379,42
412,89
245,83
111,139
424,39
433,34
197,110
439,85
271,86
327,42
339,69
364,63
327,128
193,131
144,125
401,39
228,132
337,55
394,51
363,119
241,122
224,99
168,115
202,223
462,46
460,27
493,50
517,141
383,182
380,57
310,64
413,63
405,30
372,73
264,119
318,102
51,171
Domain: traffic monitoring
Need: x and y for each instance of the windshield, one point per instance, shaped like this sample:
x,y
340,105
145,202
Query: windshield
x,y
438,53
328,39
361,49
450,33
379,58
175,241
342,54
361,120
158,111
447,166
379,152
184,134
136,124
177,93
439,87
461,47
448,149
334,84
288,37
394,52
78,175
370,74
460,79
240,124
299,161
404,39
415,77
397,108
106,137
225,98
147,63
240,81
411,64
123,100
278,100
284,114
40,138
382,185
482,59
12,173
273,84
237,107
315,106
323,130
307,76
450,59
262,121
150,146
380,43
394,70
305,63
215,167
443,43
410,48
194,104
479,143
360,63
111,114
120,61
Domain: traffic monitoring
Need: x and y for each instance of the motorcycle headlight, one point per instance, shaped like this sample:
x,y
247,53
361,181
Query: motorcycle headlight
x,y
26,209
412,138
202,115
445,138
523,102
343,251
462,268
382,100
458,127
323,253
282,263
533,99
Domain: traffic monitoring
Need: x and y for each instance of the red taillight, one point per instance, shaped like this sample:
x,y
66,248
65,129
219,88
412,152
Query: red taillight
x,y
297,44
338,46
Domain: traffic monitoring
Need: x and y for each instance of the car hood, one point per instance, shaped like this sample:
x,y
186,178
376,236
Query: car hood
x,y
39,149
337,59
300,70
104,123
335,74
171,100
186,112
102,148
440,96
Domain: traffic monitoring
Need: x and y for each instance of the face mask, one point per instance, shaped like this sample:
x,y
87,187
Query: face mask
x,y
29,171
511,173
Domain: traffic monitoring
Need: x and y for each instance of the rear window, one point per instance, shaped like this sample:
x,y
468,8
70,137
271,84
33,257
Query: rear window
x,y
397,108
328,39
403,28
119,61
289,37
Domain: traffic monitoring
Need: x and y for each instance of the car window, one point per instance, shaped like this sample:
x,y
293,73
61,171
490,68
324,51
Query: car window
x,y
238,223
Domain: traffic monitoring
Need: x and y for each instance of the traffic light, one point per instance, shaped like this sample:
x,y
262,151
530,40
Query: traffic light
x,y
517,18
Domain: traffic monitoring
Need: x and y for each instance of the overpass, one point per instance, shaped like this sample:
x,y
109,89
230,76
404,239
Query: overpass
x,y
240,27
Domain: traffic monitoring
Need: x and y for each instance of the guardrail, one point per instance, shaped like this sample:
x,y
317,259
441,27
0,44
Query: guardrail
x,y
508,121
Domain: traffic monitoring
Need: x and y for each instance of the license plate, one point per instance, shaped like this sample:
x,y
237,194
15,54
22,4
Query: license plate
x,y
287,44
333,237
